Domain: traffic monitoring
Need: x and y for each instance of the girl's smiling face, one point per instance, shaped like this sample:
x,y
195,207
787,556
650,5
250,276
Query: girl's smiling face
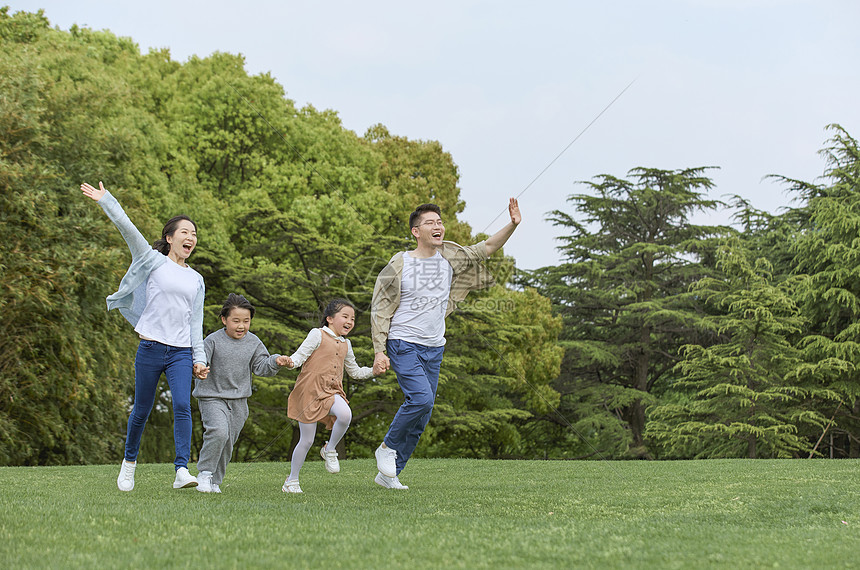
x,y
342,321
237,322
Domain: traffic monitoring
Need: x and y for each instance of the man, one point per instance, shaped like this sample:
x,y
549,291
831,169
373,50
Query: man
x,y
413,295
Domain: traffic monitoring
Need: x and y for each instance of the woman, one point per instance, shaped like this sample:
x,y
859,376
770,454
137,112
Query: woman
x,y
162,297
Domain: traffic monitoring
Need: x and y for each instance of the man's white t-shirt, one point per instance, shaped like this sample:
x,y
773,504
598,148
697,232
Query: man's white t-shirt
x,y
170,294
425,287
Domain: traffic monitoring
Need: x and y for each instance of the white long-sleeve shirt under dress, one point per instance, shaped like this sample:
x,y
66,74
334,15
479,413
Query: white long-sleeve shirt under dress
x,y
323,357
131,297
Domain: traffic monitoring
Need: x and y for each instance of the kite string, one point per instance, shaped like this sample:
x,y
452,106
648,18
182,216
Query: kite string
x,y
570,144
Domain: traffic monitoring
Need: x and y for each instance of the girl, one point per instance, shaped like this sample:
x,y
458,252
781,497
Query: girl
x,y
318,395
233,353
162,297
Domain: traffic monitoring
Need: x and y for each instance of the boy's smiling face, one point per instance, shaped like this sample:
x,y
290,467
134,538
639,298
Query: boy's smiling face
x,y
237,322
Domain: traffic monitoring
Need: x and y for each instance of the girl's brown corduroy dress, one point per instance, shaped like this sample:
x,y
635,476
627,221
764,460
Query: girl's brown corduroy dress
x,y
318,382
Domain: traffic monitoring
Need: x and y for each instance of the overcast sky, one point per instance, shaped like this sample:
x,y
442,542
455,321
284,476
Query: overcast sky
x,y
745,85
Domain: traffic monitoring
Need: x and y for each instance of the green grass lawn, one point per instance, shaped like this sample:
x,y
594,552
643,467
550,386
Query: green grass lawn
x,y
457,513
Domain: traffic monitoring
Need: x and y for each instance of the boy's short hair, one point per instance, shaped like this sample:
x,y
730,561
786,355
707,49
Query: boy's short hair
x,y
422,209
235,301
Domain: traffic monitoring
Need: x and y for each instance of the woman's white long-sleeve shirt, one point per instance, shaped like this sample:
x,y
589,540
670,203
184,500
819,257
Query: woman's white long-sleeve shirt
x,y
130,298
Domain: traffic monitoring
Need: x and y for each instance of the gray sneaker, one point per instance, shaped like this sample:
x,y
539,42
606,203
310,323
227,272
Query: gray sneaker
x,y
125,481
204,482
386,461
389,482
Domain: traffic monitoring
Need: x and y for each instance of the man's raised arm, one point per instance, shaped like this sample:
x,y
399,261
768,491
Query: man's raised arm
x,y
500,237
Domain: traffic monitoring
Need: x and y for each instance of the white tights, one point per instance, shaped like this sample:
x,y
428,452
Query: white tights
x,y
343,415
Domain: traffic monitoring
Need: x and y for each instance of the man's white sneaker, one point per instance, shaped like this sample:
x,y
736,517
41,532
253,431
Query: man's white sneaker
x,y
330,458
216,488
125,481
204,482
386,461
291,487
389,482
184,479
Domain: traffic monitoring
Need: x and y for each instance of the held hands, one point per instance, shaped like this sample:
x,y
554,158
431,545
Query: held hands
x,y
201,371
381,364
285,361
90,192
514,210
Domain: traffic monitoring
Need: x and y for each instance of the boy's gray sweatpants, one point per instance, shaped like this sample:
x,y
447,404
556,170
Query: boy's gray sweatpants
x,y
223,419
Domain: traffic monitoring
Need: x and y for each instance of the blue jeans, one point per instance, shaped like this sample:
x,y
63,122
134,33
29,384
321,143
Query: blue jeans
x,y
152,359
417,368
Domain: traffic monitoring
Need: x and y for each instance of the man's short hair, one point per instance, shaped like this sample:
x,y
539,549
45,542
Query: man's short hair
x,y
422,209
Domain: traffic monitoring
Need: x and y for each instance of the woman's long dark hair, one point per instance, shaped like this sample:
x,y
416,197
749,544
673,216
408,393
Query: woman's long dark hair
x,y
169,229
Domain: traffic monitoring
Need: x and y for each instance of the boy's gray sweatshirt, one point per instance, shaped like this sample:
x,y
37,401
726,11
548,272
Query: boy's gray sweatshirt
x,y
231,362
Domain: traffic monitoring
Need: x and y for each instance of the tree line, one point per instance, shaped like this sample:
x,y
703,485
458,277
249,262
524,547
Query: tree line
x,y
695,341
293,210
653,338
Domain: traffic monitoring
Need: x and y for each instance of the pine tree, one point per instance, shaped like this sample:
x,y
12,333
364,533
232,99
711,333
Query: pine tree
x,y
736,398
827,253
623,294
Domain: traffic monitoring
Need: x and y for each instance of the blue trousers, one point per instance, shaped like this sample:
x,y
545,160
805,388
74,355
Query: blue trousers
x,y
417,369
153,359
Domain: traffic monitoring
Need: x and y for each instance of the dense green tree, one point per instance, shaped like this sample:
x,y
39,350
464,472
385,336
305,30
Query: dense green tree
x,y
736,398
59,398
827,253
622,291
767,235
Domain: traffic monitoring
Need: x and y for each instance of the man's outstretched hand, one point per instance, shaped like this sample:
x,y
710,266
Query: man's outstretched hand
x,y
514,210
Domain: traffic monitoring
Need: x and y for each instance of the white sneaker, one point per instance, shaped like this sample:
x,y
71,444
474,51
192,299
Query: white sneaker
x,y
125,481
389,482
291,487
184,479
216,488
204,482
385,461
330,458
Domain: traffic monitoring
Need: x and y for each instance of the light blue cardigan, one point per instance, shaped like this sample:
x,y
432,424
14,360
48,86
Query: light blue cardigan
x,y
130,299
